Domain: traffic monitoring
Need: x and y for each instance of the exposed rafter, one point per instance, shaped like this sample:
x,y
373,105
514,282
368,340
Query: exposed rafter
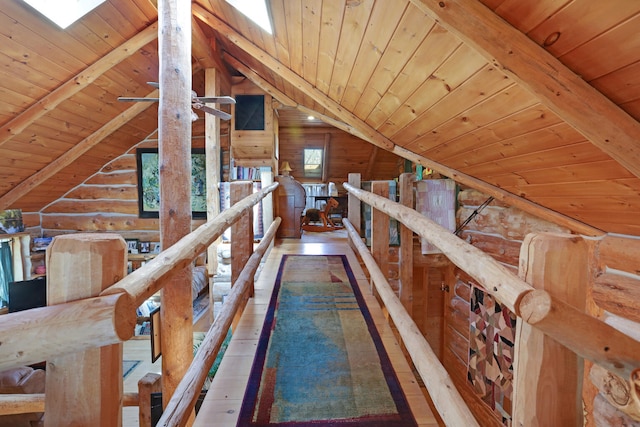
x,y
373,136
285,100
77,83
291,77
204,54
591,113
259,81
74,153
500,194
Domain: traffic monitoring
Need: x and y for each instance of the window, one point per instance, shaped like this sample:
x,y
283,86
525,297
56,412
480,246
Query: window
x,y
313,162
256,10
64,12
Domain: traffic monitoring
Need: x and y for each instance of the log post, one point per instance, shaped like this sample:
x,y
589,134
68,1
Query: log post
x,y
84,388
212,150
380,231
548,376
174,146
353,203
241,238
406,244
150,383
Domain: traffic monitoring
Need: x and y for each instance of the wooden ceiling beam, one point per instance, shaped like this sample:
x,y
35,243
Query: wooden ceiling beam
x,y
286,100
259,81
205,55
77,83
583,107
291,77
501,195
74,153
368,136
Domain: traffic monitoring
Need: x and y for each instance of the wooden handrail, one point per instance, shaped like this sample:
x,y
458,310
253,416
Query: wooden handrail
x,y
109,318
21,403
497,279
146,281
184,399
583,334
69,327
445,396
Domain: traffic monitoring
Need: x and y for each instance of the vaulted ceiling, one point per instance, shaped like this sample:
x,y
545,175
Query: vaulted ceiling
x,y
535,102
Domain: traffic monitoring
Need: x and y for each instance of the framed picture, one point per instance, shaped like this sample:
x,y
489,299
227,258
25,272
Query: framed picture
x,y
145,247
132,246
156,350
149,183
156,247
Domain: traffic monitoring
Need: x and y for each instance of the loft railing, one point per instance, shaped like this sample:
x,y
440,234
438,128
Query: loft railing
x,y
58,330
549,315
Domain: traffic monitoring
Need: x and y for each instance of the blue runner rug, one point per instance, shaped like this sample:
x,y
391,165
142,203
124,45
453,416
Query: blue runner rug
x,y
320,360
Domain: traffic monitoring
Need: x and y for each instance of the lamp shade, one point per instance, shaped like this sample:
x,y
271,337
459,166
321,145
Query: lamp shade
x,y
285,167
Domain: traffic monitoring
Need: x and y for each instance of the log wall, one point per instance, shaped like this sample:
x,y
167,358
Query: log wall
x,y
106,202
499,231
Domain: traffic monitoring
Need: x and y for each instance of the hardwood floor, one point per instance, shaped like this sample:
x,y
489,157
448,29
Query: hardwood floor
x,y
224,398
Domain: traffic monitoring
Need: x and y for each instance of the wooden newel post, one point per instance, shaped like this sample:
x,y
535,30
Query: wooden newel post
x,y
380,231
84,388
548,376
406,244
241,237
354,203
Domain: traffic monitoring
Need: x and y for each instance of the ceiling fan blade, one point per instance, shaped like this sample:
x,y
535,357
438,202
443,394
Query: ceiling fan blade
x,y
126,99
215,99
215,112
154,84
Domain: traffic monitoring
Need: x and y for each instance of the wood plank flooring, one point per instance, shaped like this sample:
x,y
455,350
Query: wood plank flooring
x,y
222,403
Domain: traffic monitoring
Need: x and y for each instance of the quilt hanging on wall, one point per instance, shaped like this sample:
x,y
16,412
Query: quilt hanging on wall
x,y
491,349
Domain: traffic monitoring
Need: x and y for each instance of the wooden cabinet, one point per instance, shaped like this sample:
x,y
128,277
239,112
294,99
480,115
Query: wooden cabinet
x,y
289,205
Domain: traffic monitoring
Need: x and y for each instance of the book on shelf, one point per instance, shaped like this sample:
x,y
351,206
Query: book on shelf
x,y
242,173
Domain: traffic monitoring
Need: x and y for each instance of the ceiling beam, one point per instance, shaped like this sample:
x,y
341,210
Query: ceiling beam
x,y
77,83
284,99
74,153
587,110
205,55
259,81
291,77
501,195
372,136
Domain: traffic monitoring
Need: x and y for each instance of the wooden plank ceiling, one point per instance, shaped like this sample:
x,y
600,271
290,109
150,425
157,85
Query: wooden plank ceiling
x,y
539,98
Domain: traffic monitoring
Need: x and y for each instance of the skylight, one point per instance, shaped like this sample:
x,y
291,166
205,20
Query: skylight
x,y
256,10
64,12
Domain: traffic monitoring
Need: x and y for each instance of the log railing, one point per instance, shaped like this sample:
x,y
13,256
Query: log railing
x,y
443,392
109,318
595,340
583,334
184,399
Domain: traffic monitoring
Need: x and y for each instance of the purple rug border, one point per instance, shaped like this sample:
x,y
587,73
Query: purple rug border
x,y
405,415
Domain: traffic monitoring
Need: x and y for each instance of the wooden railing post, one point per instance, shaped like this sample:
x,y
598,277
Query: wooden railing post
x,y
84,388
353,203
548,376
241,236
150,383
405,187
380,232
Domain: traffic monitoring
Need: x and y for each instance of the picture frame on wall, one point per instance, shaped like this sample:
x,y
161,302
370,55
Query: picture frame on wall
x,y
145,247
156,350
132,245
149,183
